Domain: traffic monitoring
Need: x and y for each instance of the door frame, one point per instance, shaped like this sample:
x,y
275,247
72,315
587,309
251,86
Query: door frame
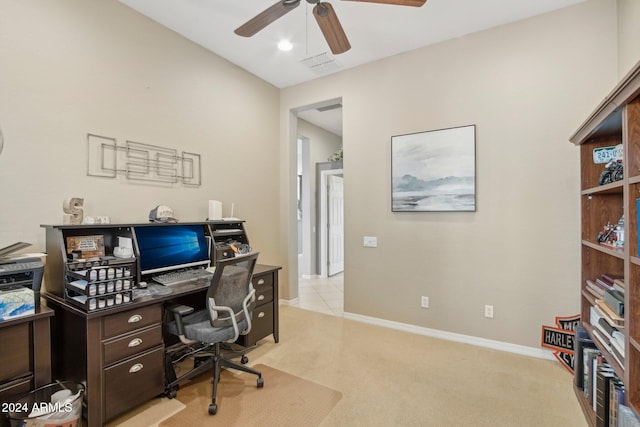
x,y
324,234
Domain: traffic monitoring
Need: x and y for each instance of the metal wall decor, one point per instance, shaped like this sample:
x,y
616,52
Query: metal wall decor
x,y
141,162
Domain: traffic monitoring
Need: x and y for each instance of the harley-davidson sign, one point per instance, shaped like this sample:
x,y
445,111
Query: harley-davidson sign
x,y
561,339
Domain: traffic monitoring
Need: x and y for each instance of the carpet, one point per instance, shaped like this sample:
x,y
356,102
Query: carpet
x,y
285,400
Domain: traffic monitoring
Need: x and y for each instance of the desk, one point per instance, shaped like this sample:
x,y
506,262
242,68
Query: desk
x,y
119,352
25,355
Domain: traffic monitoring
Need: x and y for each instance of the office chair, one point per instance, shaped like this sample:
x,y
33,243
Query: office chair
x,y
229,306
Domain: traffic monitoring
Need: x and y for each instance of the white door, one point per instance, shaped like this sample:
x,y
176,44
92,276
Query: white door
x,y
336,224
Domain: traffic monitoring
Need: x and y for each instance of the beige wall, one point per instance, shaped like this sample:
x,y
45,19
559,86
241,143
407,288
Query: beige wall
x,y
628,35
69,67
526,86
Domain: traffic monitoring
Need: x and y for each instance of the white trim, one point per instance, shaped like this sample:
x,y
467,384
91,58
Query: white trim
x,y
290,302
450,336
323,219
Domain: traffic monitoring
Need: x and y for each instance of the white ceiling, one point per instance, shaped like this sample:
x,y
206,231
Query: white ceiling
x,y
375,31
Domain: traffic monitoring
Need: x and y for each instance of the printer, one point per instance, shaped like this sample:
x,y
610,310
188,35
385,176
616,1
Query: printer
x,y
20,271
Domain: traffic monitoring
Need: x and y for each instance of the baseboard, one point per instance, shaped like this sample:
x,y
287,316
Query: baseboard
x,y
539,353
293,302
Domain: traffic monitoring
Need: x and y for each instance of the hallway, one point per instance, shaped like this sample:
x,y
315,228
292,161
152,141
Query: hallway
x,y
322,294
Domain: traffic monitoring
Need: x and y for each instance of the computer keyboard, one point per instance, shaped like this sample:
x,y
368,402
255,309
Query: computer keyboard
x,y
182,276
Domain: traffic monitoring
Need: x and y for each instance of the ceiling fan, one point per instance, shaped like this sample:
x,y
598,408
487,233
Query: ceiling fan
x,y
325,17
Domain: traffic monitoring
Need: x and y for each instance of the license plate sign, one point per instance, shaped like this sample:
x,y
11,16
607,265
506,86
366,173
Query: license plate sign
x,y
606,154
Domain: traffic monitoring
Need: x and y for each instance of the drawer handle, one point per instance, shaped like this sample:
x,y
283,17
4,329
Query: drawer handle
x,y
260,282
261,314
136,368
261,297
135,318
135,342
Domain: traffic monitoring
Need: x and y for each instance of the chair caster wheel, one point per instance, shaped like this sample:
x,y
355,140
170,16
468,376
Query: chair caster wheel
x,y
171,392
260,382
244,359
213,408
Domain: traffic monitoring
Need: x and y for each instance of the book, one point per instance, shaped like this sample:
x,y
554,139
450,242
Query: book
x,y
607,327
619,285
582,342
594,289
604,377
589,356
602,339
599,283
609,314
610,279
616,397
615,299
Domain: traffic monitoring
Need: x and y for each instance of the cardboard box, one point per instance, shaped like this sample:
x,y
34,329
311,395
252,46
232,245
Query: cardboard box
x,y
16,302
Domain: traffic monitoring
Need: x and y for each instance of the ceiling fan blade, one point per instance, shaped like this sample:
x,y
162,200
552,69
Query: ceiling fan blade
x,y
331,28
414,3
266,17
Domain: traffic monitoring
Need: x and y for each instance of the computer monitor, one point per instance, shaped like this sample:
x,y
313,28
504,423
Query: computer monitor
x,y
171,247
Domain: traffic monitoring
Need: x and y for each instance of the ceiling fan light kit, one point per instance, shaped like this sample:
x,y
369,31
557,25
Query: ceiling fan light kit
x,y
325,15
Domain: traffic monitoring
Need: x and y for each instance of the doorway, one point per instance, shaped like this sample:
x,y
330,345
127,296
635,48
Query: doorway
x,y
315,143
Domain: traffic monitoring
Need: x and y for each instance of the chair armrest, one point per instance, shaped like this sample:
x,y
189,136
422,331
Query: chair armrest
x,y
232,317
245,307
179,310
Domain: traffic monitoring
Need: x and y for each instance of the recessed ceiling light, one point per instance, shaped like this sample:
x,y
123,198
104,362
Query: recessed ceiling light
x,y
285,45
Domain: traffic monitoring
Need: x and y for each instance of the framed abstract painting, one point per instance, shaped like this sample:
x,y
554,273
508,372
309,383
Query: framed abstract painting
x,y
434,170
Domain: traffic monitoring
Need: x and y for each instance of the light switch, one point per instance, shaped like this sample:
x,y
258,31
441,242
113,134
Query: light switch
x,y
370,242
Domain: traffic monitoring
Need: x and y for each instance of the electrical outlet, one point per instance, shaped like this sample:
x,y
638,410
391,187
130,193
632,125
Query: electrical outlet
x,y
424,302
488,311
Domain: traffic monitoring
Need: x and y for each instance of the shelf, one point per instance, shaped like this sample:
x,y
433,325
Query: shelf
x,y
619,253
634,343
634,260
589,413
634,180
613,188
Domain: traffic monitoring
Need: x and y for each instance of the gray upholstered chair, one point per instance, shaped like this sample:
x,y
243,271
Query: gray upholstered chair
x,y
229,306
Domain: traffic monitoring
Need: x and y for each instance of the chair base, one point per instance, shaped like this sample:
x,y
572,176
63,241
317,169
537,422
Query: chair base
x,y
202,364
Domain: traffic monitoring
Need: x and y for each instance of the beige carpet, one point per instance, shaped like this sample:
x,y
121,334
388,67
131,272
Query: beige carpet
x,y
285,400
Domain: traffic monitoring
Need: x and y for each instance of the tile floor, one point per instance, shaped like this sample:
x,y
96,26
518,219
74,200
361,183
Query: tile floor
x,y
322,294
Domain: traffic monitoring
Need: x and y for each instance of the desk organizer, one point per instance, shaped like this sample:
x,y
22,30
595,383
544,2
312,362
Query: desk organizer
x,y
98,285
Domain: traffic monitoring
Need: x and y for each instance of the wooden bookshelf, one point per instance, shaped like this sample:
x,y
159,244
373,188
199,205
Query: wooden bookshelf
x,y
615,121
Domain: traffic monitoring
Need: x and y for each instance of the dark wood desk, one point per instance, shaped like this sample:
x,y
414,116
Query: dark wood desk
x,y
119,352
25,355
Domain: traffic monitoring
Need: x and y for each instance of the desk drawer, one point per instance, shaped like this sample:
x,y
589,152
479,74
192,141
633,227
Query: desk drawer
x,y
262,281
16,356
263,296
133,382
16,389
130,320
261,325
130,344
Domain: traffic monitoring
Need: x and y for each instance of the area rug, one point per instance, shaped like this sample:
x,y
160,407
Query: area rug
x,y
285,400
